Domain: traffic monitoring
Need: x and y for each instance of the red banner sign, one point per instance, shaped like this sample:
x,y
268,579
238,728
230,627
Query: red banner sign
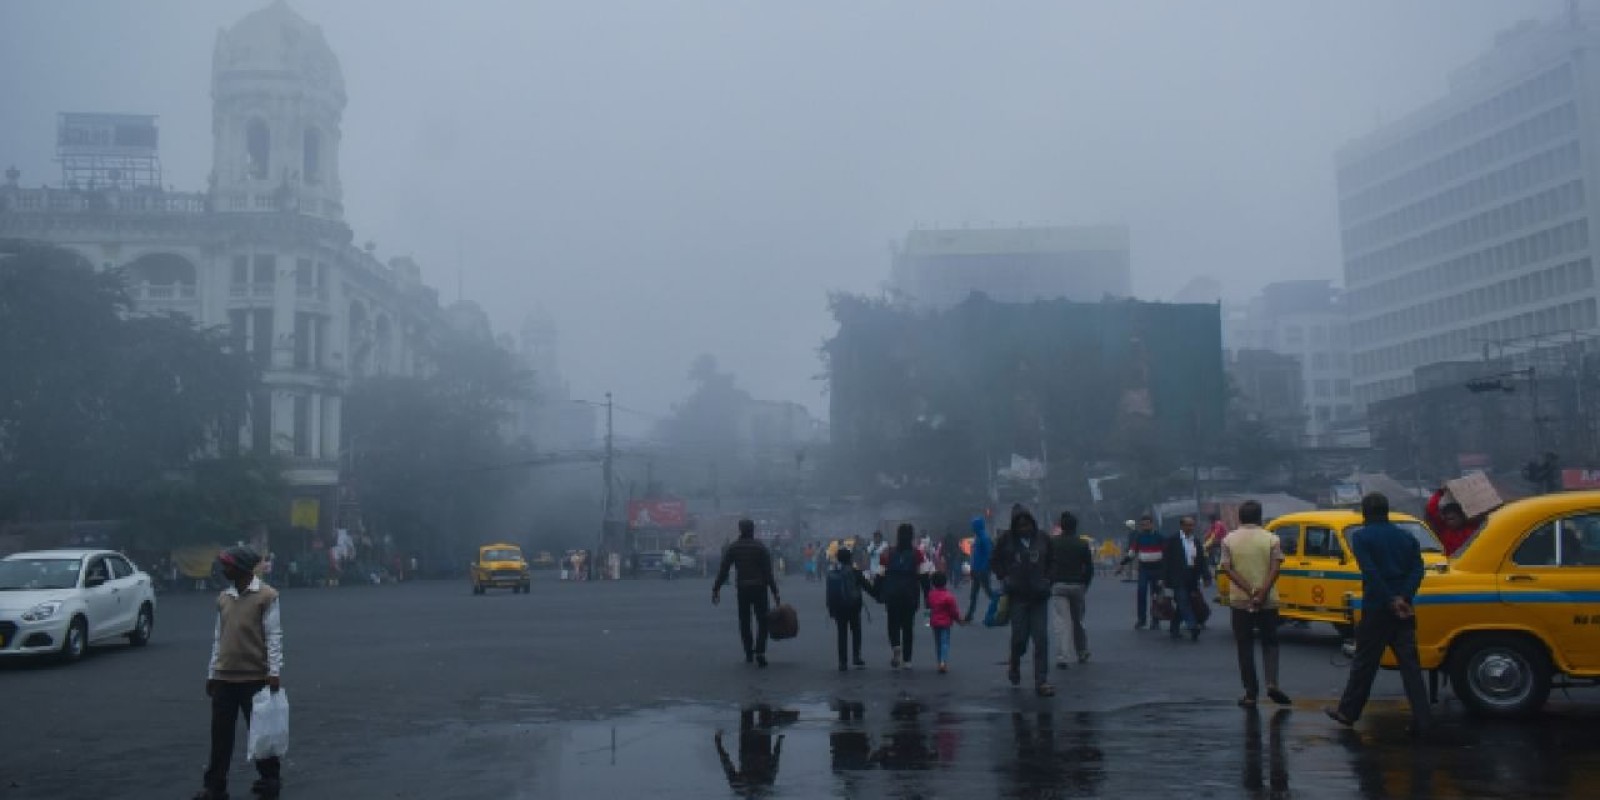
x,y
660,513
1580,479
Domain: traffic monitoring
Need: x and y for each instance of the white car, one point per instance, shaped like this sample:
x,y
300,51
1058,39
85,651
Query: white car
x,y
61,601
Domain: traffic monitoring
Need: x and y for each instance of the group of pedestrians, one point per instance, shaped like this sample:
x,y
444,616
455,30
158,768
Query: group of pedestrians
x,y
1044,581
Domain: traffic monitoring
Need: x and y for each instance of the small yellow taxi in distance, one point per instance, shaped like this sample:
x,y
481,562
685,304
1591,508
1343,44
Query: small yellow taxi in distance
x,y
500,565
1516,612
1319,578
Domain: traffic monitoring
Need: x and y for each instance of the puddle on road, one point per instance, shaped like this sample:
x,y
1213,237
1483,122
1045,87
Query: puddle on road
x,y
848,749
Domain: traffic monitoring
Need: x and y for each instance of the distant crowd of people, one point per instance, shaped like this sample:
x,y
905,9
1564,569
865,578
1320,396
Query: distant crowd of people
x,y
1043,582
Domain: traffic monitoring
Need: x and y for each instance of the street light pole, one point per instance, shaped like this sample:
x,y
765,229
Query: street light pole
x,y
610,452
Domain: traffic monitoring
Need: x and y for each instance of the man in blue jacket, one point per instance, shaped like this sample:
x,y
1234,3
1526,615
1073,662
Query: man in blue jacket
x,y
981,547
1391,571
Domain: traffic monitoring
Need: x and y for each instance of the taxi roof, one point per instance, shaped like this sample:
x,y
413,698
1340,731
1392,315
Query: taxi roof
x,y
516,547
1335,516
1506,524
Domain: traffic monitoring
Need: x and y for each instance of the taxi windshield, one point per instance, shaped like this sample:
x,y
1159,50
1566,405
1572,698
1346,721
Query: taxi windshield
x,y
24,574
502,554
1418,531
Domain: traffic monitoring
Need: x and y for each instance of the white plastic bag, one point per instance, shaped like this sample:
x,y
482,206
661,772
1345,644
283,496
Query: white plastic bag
x,y
269,725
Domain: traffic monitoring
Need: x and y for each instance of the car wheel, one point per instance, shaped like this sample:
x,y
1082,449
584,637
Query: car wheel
x,y
140,635
1502,676
76,642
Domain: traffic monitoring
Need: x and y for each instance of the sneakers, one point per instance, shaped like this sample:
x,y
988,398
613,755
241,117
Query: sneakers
x,y
1278,696
1333,714
943,668
749,658
859,664
894,662
1014,674
1061,663
843,667
1138,626
1045,690
1083,657
761,660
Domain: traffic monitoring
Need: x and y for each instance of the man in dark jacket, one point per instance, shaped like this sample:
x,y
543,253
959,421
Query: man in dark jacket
x,y
1185,568
1391,571
1071,572
754,562
1023,562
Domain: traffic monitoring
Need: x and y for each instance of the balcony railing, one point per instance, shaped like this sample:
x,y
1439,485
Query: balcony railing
x,y
40,201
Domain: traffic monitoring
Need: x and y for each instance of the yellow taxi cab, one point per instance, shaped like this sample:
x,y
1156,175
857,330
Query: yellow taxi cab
x,y
1516,612
1319,578
500,566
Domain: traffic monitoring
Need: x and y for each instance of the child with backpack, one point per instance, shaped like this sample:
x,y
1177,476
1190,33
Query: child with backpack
x,y
944,612
844,588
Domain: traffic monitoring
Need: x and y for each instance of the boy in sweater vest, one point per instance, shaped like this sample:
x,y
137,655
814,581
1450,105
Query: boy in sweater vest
x,y
246,655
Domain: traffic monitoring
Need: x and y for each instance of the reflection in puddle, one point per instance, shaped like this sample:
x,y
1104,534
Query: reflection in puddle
x,y
851,748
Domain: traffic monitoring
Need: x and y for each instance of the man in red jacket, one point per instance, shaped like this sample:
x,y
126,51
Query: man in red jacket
x,y
1449,520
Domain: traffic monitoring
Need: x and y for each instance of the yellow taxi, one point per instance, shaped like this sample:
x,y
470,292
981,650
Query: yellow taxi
x,y
1319,578
1516,612
500,566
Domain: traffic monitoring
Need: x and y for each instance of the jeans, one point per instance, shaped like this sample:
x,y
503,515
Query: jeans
x,y
1030,620
902,620
980,581
1248,627
849,627
1066,605
1379,629
753,602
941,644
229,701
1149,576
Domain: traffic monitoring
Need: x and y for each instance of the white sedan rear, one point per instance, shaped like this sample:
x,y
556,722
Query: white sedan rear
x,y
59,602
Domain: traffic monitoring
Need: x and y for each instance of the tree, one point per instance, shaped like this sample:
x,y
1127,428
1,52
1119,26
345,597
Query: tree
x,y
431,458
95,402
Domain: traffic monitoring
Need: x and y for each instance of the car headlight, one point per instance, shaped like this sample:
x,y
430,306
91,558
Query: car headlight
x,y
42,612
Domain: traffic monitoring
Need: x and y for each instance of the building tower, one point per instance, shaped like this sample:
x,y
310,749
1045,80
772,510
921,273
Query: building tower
x,y
277,99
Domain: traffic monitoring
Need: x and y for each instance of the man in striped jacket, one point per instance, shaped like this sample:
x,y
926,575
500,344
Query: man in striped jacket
x,y
1146,554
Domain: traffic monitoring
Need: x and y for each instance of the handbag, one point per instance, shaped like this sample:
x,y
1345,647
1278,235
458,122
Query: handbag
x,y
1162,607
1202,609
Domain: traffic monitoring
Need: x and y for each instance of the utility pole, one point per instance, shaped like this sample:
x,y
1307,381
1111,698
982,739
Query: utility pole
x,y
610,455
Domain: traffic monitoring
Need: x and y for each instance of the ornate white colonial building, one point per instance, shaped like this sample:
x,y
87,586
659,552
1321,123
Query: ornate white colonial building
x,y
264,251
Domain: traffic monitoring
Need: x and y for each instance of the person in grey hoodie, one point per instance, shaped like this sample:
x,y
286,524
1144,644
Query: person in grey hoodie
x,y
1023,561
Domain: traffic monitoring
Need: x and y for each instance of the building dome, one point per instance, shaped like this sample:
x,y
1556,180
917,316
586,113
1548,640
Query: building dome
x,y
276,42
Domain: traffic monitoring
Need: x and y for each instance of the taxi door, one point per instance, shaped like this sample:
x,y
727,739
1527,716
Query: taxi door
x,y
1321,569
1552,583
1291,586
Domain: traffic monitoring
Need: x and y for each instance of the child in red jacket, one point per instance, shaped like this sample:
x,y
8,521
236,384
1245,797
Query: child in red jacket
x,y
944,612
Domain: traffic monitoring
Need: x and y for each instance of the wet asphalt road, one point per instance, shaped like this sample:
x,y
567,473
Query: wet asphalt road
x,y
599,690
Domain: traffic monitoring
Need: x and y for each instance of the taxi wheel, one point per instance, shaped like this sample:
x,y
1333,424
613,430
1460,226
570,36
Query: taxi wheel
x,y
1502,676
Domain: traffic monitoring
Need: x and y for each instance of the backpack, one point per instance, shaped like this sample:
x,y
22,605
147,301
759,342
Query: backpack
x,y
844,593
900,585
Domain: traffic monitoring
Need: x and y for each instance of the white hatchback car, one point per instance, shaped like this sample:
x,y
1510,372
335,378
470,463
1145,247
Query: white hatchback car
x,y
61,601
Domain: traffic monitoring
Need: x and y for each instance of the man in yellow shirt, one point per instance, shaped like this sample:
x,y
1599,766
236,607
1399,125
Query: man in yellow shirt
x,y
1251,557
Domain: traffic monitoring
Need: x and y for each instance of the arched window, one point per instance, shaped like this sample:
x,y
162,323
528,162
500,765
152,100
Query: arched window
x,y
311,153
258,148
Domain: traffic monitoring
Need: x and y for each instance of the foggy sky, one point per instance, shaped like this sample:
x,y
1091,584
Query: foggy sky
x,y
674,178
